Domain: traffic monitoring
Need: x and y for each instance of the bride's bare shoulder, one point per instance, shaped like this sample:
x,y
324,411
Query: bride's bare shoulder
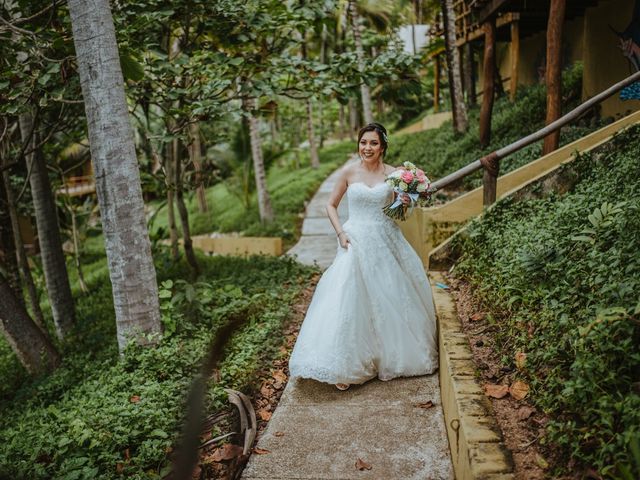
x,y
389,169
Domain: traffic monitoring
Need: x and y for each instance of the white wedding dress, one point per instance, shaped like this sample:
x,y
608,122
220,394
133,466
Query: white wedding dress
x,y
372,313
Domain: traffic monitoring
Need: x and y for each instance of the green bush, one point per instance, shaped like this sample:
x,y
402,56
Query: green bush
x,y
441,151
562,275
101,415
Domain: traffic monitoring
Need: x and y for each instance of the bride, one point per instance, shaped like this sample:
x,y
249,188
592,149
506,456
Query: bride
x,y
372,313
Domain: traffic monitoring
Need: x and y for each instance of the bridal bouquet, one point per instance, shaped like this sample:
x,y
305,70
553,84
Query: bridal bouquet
x,y
411,181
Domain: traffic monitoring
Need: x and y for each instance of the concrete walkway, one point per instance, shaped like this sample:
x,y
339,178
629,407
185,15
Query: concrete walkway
x,y
318,432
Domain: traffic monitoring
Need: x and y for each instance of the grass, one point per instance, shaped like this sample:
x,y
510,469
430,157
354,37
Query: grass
x,y
288,186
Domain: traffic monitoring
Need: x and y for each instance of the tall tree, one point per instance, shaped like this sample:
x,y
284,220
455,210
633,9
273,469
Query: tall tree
x,y
365,93
460,119
264,199
53,261
131,269
554,71
33,349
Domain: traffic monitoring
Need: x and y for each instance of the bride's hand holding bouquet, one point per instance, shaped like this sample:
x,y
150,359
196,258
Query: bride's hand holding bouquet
x,y
411,187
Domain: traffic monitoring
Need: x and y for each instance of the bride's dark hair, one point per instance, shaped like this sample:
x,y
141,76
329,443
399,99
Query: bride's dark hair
x,y
380,130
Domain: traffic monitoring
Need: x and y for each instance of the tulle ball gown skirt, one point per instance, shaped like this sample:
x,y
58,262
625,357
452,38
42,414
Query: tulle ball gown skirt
x,y
372,312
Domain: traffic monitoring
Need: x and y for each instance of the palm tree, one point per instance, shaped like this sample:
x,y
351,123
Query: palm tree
x,y
51,253
133,276
553,73
460,120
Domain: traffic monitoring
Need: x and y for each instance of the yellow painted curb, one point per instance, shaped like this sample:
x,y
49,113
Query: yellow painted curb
x,y
475,440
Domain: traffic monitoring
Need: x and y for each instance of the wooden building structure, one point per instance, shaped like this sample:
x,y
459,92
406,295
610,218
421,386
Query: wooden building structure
x,y
602,34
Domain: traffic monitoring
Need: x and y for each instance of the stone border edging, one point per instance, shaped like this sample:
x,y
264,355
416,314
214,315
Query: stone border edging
x,y
475,440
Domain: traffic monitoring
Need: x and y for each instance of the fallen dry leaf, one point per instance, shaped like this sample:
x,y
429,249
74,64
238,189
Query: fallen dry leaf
x,y
266,390
496,391
119,468
134,399
519,390
279,434
427,404
226,452
362,465
521,360
261,451
280,376
542,463
264,414
476,317
525,412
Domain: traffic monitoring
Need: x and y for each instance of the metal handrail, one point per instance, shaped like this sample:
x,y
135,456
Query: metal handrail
x,y
534,137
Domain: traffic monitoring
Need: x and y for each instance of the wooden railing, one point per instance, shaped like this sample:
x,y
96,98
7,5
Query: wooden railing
x,y
491,162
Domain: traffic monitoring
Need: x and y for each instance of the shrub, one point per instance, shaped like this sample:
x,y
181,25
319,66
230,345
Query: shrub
x,y
562,275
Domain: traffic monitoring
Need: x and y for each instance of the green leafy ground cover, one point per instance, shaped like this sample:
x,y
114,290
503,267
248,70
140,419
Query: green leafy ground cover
x,y
289,186
567,268
440,151
101,416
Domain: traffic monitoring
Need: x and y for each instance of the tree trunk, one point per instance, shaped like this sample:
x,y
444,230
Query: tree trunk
x,y
342,121
264,200
171,213
34,350
459,109
353,119
195,154
364,88
469,75
20,254
76,251
131,269
436,84
313,149
184,213
51,253
8,261
488,81
554,71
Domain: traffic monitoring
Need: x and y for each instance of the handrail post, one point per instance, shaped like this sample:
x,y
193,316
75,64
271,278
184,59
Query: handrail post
x,y
491,165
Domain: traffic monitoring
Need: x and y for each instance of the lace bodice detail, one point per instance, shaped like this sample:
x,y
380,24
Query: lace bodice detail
x,y
365,202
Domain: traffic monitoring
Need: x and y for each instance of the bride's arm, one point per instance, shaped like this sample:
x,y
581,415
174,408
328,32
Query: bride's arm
x,y
332,207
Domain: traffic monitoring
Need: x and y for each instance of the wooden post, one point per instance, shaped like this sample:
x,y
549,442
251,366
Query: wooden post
x,y
491,166
436,84
515,59
553,73
488,81
469,76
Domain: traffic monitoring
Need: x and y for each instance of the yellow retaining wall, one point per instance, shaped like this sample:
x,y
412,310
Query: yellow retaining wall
x,y
239,245
475,440
428,227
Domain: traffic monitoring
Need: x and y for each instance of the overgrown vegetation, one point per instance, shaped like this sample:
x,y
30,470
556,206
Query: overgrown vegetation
x,y
440,151
289,184
561,276
101,416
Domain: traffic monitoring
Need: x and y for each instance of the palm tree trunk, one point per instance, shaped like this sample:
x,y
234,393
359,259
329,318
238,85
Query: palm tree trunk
x,y
195,147
51,253
21,255
131,269
460,120
34,350
364,88
554,71
171,213
313,149
469,75
264,199
184,213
